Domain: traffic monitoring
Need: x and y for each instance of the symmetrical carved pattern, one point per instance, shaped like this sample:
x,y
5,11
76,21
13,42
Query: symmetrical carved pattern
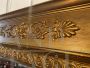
x,y
40,59
40,30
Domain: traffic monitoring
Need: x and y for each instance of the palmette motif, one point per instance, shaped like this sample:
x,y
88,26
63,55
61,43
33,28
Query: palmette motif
x,y
40,30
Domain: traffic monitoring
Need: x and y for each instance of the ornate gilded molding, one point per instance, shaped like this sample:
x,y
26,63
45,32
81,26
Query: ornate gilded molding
x,y
51,24
41,59
40,30
57,30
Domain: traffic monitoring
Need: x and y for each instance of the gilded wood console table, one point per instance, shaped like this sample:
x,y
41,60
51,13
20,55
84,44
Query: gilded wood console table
x,y
55,35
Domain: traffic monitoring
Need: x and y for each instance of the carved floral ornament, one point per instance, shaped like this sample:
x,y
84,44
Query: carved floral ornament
x,y
40,30
41,60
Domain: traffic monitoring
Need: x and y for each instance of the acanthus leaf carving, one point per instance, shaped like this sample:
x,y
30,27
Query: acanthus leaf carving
x,y
41,30
57,30
51,60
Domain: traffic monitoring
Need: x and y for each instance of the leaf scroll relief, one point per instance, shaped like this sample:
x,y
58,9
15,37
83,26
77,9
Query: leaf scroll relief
x,y
40,30
12,31
40,59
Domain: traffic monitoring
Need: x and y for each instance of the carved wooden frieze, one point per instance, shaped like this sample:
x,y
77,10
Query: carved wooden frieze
x,y
13,31
40,59
40,30
31,42
57,30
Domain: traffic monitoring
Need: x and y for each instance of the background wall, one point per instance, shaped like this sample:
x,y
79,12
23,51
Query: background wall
x,y
3,6
12,5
